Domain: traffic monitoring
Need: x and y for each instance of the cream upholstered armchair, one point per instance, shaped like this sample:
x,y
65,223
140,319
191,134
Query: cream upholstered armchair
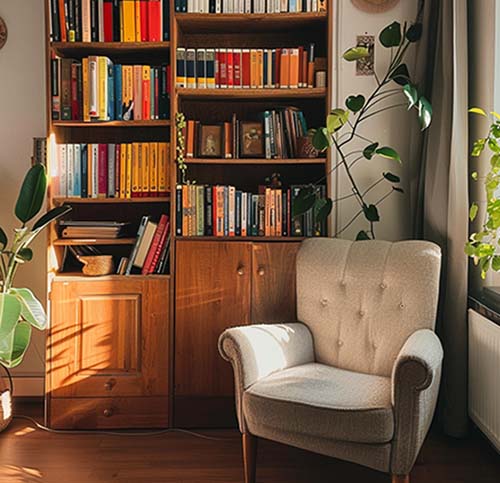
x,y
358,377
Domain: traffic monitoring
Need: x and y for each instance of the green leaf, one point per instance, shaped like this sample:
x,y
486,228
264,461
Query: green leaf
x,y
484,264
389,153
304,201
493,113
477,110
495,162
50,216
391,177
400,75
32,193
355,103
21,342
31,309
493,145
369,151
356,53
10,311
474,175
362,235
371,213
3,239
321,139
411,93
495,263
424,112
24,255
473,211
478,147
323,208
414,33
336,119
391,35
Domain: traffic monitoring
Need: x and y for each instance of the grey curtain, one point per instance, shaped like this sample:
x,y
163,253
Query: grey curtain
x,y
440,190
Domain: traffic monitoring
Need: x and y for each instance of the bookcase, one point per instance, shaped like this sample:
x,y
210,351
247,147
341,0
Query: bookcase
x,y
141,350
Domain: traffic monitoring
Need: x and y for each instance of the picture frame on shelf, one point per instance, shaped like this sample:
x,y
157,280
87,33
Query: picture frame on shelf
x,y
251,139
210,141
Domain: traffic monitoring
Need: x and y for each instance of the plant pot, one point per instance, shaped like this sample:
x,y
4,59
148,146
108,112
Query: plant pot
x,y
6,388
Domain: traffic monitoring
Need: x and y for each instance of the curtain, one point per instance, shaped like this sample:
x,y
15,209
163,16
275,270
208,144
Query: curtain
x,y
439,190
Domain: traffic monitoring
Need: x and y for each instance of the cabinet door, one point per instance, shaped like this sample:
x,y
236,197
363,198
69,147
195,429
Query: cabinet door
x,y
273,283
213,281
109,337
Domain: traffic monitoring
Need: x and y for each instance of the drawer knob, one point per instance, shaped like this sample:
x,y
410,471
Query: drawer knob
x,y
107,413
241,270
261,271
109,385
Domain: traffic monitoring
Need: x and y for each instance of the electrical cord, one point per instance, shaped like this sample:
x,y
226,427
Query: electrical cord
x,y
35,423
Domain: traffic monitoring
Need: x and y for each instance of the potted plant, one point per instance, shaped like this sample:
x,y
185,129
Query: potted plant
x,y
20,310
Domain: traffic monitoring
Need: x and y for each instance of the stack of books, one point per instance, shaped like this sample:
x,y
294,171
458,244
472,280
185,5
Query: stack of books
x,y
245,68
276,136
250,6
93,229
151,250
111,170
109,20
95,89
225,211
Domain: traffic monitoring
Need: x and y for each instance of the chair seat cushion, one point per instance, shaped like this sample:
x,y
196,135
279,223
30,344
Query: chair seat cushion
x,y
324,401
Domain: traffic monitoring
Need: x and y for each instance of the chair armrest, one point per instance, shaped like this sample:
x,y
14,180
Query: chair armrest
x,y
416,376
256,351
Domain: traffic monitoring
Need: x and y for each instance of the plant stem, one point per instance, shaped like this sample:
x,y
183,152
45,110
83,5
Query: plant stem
x,y
381,110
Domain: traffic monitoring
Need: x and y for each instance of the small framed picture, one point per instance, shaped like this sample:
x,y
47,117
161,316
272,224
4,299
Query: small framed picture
x,y
210,141
251,140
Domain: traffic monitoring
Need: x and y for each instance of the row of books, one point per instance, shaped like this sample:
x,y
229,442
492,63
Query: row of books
x,y
127,170
245,68
109,20
250,6
93,229
279,134
225,211
95,89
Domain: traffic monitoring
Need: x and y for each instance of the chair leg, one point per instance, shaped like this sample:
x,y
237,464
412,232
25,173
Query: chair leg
x,y
400,478
249,456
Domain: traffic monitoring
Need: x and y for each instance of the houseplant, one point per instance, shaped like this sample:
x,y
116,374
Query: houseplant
x,y
343,123
20,310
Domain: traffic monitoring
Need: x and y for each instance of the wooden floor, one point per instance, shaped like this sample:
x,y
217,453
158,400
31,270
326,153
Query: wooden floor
x,y
29,455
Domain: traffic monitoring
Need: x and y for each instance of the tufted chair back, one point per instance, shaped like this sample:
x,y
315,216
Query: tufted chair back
x,y
362,300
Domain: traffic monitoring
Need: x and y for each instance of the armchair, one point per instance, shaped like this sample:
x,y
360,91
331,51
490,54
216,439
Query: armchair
x,y
358,377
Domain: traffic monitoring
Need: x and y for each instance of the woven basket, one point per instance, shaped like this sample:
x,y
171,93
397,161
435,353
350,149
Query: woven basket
x,y
6,388
96,265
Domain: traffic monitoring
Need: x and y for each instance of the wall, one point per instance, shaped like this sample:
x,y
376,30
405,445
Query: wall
x,y
22,110
391,128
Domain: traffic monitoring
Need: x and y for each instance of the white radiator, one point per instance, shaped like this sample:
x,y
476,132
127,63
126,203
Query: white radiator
x,y
484,375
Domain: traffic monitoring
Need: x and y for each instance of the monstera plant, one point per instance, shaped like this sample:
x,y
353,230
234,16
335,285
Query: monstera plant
x,y
19,308
343,129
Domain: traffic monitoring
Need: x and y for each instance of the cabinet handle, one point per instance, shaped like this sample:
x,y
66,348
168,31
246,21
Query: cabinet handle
x,y
240,270
109,385
261,271
107,413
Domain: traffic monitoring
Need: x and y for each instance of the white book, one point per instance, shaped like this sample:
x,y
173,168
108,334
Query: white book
x,y
93,91
207,6
77,171
284,6
95,171
248,6
308,6
277,6
62,161
314,5
101,23
241,6
70,167
269,6
230,6
86,33
190,6
218,6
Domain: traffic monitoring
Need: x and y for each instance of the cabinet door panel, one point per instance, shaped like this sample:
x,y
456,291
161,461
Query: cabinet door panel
x,y
212,293
273,283
109,338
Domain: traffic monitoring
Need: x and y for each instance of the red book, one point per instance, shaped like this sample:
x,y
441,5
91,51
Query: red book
x,y
118,151
278,68
237,68
146,93
160,248
144,10
223,67
108,20
230,68
154,20
245,68
217,68
75,104
62,21
154,244
102,164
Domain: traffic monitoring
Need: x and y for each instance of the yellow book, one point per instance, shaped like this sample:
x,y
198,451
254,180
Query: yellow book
x,y
137,20
145,169
136,170
153,169
123,170
253,68
128,180
102,82
85,89
128,20
163,149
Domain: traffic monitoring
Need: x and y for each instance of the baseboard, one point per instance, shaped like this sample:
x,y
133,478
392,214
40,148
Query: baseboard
x,y
28,386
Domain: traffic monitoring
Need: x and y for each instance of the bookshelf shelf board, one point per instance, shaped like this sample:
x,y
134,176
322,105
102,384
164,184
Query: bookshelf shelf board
x,y
250,22
94,201
103,124
93,241
243,238
78,276
255,161
77,49
306,93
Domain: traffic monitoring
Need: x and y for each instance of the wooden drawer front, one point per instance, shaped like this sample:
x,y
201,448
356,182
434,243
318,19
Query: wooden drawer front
x,y
109,339
108,413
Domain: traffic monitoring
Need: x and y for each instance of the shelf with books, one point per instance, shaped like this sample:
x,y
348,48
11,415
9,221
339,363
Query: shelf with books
x,y
76,276
243,238
97,201
303,92
274,161
80,49
104,124
93,241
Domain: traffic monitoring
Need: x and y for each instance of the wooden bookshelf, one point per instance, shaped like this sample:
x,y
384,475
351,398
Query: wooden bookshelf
x,y
80,49
302,93
120,124
61,242
275,161
97,201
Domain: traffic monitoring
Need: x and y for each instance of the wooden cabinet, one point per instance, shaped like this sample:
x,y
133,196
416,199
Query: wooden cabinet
x,y
220,284
108,341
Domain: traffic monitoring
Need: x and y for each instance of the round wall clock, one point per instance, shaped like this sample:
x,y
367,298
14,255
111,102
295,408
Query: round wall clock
x,y
3,32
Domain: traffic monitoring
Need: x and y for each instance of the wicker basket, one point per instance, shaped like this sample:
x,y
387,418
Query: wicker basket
x,y
6,388
97,265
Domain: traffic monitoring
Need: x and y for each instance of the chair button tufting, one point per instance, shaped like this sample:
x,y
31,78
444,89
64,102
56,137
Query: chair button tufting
x,y
361,313
374,345
340,343
324,302
383,286
401,305
343,284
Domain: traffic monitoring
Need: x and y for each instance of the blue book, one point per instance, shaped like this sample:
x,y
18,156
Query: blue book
x,y
118,92
238,213
77,171
111,91
83,170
